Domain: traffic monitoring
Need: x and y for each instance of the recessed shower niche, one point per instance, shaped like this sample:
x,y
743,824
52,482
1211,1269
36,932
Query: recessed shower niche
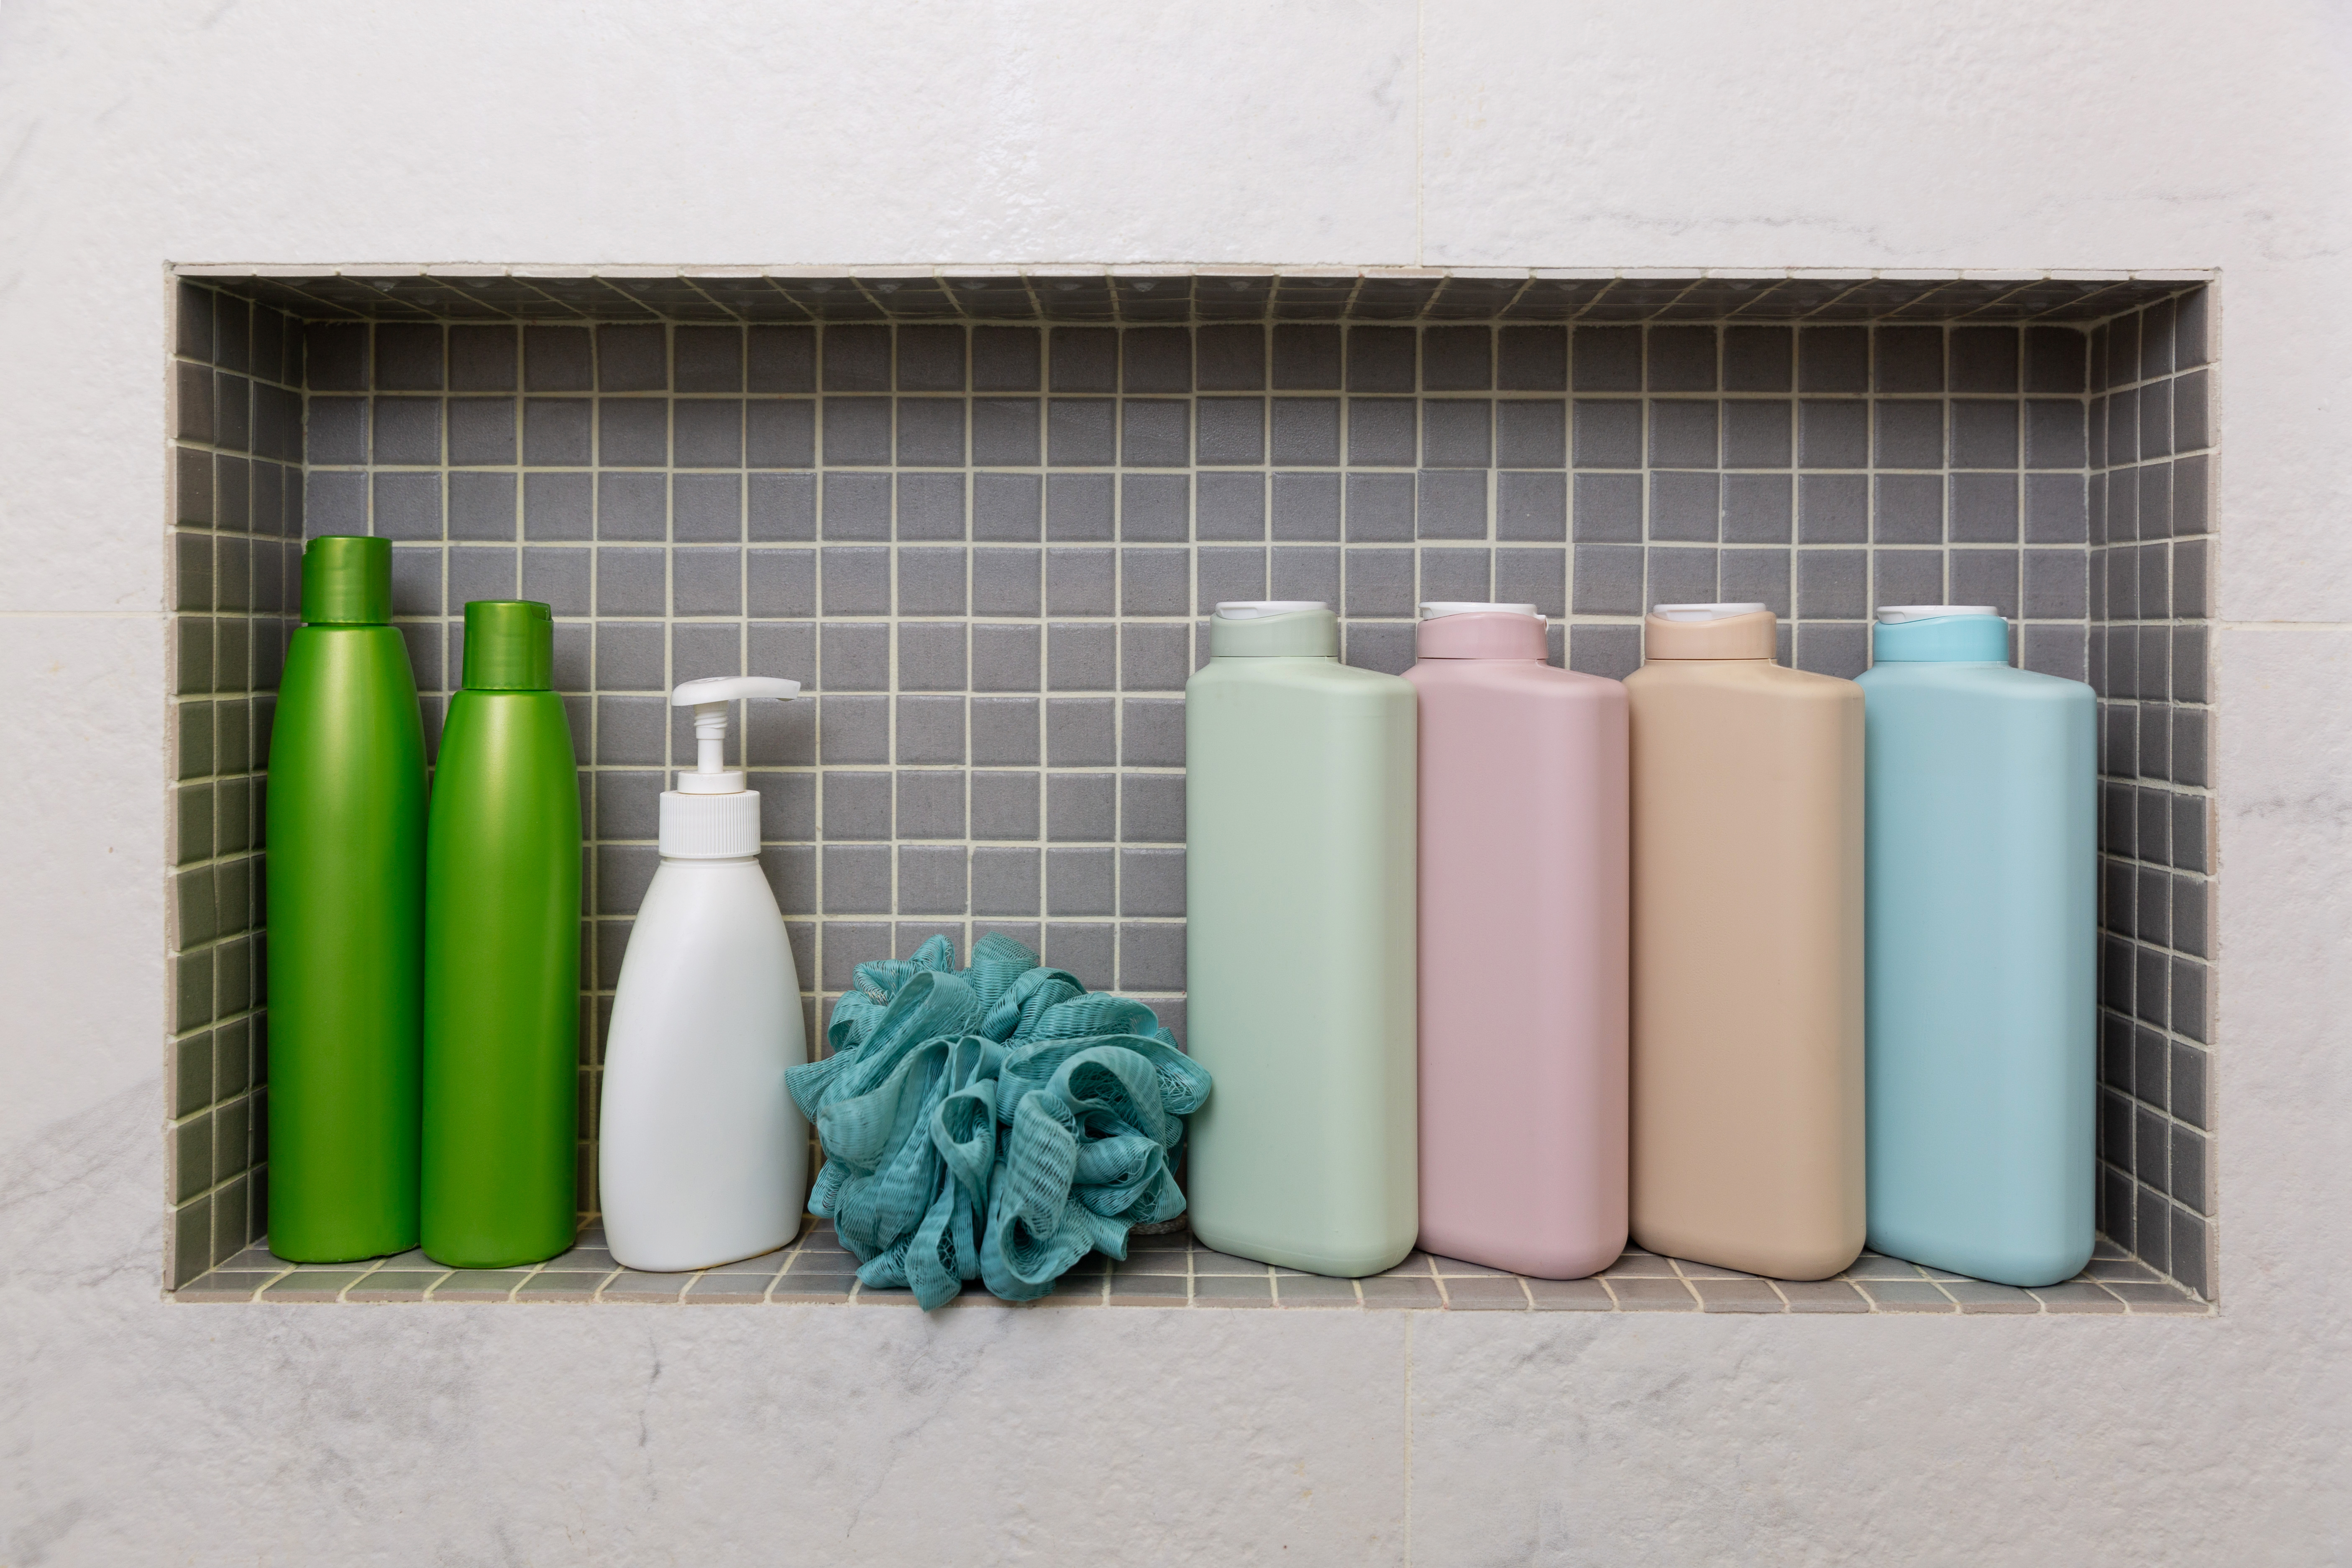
x,y
982,513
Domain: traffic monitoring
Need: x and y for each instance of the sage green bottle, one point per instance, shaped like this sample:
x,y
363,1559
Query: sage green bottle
x,y
345,879
502,954
1300,917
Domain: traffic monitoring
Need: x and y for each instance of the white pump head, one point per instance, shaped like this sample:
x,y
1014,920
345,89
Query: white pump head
x,y
710,815
709,699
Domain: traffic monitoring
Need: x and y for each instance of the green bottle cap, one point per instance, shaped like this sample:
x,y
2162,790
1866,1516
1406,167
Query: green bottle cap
x,y
347,581
509,645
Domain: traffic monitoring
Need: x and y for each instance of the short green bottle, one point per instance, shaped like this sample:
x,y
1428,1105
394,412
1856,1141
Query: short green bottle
x,y
346,881
502,954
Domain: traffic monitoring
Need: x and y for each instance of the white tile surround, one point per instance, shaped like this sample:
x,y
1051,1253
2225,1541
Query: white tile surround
x,y
1892,137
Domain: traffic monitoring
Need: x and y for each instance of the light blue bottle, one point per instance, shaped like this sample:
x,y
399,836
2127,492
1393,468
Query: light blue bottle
x,y
1983,948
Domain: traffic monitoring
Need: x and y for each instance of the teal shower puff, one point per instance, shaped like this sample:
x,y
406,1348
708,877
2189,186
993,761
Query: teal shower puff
x,y
993,1123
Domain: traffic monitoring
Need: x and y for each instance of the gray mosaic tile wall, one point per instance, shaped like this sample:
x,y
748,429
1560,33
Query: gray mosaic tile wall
x,y
2151,545
237,509
987,546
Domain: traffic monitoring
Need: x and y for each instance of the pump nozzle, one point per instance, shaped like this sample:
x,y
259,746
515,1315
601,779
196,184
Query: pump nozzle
x,y
709,699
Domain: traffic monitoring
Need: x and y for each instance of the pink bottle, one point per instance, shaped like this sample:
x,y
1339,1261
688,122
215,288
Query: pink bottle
x,y
1523,948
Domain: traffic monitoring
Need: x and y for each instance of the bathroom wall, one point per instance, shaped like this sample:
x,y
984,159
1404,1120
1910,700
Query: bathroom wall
x,y
1891,137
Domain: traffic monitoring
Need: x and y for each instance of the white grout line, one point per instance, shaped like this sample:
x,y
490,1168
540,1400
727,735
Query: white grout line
x,y
1696,1300
373,1265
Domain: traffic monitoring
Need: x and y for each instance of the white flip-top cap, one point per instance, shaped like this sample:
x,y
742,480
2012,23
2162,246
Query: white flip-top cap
x,y
1253,609
1896,615
1704,612
710,815
1437,609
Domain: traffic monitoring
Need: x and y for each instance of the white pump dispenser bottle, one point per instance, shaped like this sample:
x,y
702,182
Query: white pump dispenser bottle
x,y
703,1158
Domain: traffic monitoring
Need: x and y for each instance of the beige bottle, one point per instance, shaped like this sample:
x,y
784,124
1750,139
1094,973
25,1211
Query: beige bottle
x,y
1747,950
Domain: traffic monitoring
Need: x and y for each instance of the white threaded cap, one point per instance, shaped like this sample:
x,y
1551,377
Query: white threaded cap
x,y
710,827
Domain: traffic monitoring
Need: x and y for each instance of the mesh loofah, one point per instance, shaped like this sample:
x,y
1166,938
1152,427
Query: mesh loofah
x,y
995,1123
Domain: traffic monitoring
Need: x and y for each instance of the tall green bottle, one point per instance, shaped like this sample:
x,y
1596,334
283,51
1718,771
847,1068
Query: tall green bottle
x,y
502,954
345,832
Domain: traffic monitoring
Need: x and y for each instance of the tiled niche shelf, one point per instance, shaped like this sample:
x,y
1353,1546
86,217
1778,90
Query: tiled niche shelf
x,y
980,512
1174,1270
